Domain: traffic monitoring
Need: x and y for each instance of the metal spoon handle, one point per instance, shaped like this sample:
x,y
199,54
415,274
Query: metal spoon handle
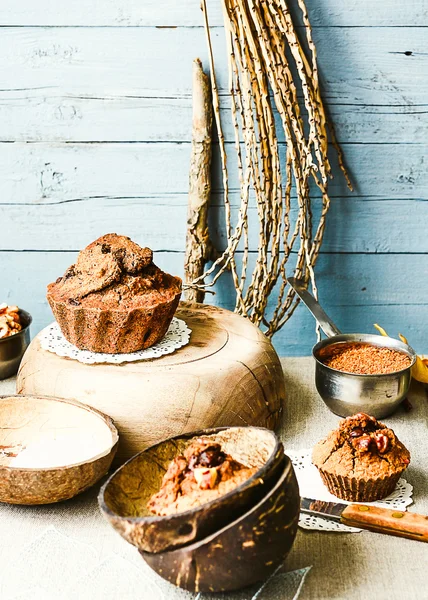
x,y
321,317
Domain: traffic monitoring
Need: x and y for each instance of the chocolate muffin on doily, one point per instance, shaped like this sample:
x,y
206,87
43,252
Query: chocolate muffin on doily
x,y
114,299
362,460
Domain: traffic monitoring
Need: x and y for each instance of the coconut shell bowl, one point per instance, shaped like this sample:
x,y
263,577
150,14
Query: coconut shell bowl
x,y
51,449
231,542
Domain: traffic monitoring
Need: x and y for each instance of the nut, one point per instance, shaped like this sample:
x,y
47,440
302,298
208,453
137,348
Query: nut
x,y
9,320
382,442
205,478
367,423
211,457
356,432
363,443
363,416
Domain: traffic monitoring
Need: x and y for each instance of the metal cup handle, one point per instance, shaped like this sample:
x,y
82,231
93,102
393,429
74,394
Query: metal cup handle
x,y
321,317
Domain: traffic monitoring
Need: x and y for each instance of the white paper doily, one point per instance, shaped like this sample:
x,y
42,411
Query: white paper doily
x,y
311,486
177,336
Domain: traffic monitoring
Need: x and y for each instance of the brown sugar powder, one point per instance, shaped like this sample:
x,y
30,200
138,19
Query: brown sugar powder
x,y
364,359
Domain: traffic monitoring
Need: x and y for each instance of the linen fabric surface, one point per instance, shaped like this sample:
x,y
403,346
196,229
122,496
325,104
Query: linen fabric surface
x,y
68,551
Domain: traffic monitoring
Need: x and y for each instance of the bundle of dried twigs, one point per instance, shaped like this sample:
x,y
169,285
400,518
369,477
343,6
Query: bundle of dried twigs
x,y
268,69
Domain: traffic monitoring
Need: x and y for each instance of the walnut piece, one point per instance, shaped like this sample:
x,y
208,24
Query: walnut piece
x,y
363,443
205,478
382,442
10,323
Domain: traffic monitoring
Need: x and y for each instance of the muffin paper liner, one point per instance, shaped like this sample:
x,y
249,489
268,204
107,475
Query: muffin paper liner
x,y
114,331
359,490
177,336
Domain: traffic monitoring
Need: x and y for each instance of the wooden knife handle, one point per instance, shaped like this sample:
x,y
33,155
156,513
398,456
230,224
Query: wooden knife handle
x,y
384,520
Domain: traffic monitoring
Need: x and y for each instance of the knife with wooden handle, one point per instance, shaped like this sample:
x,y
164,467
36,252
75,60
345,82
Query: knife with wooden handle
x,y
381,520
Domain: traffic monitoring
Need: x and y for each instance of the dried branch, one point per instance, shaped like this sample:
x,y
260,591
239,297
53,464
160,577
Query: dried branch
x,y
264,51
199,249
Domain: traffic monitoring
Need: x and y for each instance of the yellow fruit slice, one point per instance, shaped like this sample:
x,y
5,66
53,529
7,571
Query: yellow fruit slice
x,y
420,368
381,330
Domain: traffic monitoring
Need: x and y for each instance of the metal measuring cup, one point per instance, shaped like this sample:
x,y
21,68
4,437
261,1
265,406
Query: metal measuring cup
x,y
348,393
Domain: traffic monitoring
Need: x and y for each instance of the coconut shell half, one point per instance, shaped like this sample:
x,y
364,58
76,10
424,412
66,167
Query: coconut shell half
x,y
51,449
123,499
242,553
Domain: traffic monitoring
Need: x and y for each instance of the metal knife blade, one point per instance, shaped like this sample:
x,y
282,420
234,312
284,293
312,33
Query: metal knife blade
x,y
319,508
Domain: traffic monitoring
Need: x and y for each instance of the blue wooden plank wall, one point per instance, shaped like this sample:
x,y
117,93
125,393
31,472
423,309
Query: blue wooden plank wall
x,y
95,113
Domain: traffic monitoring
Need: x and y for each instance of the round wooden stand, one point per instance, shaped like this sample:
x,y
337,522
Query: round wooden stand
x,y
229,374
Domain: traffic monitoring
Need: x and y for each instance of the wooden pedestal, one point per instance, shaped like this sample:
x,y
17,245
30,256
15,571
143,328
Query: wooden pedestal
x,y
229,374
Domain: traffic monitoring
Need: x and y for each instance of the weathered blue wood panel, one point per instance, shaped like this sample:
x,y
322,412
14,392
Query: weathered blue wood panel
x,y
361,225
53,172
132,13
364,65
102,91
356,289
59,115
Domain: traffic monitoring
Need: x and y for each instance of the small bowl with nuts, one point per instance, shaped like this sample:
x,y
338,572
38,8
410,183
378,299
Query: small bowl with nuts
x,y
14,338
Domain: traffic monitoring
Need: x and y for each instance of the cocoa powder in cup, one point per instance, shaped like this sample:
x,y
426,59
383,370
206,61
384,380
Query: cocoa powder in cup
x,y
364,359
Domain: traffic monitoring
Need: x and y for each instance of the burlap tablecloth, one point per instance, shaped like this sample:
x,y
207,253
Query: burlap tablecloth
x,y
69,551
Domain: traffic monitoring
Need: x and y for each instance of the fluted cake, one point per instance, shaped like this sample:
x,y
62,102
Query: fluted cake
x,y
362,460
114,299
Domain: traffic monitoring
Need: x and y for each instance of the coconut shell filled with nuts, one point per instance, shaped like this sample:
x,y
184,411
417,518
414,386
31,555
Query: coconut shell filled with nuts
x,y
168,497
246,551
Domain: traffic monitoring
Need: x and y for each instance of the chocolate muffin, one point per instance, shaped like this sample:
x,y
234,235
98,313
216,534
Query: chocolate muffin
x,y
362,460
201,474
114,299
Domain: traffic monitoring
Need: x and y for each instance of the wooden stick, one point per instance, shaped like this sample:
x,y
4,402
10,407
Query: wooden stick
x,y
199,249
